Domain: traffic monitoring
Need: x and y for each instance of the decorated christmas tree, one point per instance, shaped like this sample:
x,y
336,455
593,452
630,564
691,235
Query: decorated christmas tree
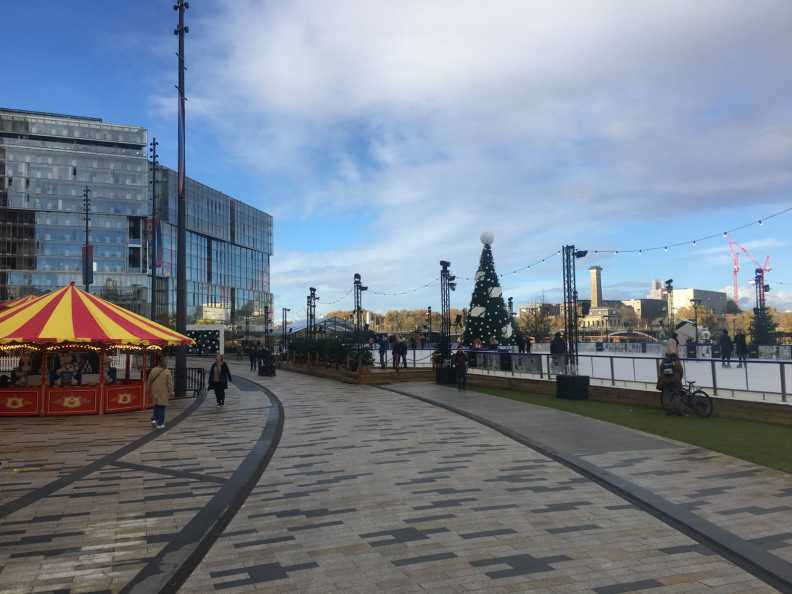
x,y
488,316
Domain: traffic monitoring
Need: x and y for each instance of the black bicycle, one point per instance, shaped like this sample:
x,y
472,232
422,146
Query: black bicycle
x,y
693,398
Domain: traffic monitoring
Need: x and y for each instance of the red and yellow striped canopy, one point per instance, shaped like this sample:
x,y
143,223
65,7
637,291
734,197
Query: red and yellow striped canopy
x,y
15,302
72,315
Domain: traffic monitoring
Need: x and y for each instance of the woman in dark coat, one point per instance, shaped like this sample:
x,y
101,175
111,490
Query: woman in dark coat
x,y
219,376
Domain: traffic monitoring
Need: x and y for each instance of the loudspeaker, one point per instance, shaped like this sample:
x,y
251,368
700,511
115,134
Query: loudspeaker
x,y
572,387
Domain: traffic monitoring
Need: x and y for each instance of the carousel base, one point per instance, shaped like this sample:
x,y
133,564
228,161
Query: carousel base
x,y
72,400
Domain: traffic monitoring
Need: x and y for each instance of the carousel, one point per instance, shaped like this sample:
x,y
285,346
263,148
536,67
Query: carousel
x,y
71,353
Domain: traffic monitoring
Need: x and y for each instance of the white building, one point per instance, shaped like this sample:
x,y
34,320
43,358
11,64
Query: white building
x,y
712,300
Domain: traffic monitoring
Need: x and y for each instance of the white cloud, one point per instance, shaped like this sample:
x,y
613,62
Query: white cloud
x,y
448,117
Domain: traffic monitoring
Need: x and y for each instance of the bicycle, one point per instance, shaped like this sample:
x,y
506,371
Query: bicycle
x,y
693,398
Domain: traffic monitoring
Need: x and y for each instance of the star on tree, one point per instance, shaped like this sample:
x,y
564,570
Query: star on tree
x,y
488,317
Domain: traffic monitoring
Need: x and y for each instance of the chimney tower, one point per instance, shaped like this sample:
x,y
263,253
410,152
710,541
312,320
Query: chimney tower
x,y
596,286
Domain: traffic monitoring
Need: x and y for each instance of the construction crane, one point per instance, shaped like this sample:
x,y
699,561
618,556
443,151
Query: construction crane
x,y
734,253
735,249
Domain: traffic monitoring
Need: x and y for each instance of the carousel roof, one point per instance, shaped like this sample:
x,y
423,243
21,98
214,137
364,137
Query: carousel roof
x,y
72,315
16,302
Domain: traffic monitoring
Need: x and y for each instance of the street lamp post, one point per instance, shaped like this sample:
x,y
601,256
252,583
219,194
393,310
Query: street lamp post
x,y
153,243
180,382
284,311
669,289
429,325
358,293
266,327
87,248
695,303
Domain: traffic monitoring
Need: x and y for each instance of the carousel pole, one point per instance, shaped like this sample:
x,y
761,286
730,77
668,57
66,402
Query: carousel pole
x,y
101,382
43,381
143,370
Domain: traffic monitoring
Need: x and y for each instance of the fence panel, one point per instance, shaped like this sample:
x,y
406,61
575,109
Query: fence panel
x,y
763,377
623,369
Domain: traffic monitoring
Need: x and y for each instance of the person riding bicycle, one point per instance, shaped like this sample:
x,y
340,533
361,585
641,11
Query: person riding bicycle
x,y
670,382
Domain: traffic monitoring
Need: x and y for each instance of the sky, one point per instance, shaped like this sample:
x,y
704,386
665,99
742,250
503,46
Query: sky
x,y
386,136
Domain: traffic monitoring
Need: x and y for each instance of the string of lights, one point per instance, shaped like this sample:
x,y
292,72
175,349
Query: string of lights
x,y
538,262
693,242
654,248
339,300
434,281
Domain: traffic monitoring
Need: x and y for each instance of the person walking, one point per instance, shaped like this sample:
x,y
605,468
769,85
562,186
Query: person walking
x,y
219,376
383,350
742,349
460,366
160,386
725,348
252,356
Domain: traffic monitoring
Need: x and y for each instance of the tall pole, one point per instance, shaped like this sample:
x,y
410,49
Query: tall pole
x,y
153,244
447,285
284,311
358,294
570,255
695,303
429,325
181,244
266,326
669,288
87,252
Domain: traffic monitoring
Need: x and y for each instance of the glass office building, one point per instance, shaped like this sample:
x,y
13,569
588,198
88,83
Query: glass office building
x,y
47,161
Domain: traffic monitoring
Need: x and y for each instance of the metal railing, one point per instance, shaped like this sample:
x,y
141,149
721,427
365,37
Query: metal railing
x,y
764,380
760,379
196,381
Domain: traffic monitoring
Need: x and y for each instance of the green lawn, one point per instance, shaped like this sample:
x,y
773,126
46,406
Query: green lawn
x,y
761,443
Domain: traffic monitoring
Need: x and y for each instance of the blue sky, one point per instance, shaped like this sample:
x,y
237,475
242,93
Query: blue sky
x,y
386,136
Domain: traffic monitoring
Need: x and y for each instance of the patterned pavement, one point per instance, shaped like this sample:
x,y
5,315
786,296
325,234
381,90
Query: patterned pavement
x,y
89,502
372,491
367,491
750,501
748,506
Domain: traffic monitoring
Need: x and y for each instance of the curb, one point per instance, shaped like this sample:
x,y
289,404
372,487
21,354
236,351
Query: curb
x,y
171,568
767,567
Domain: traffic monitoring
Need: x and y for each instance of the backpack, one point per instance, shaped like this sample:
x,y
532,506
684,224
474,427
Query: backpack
x,y
667,367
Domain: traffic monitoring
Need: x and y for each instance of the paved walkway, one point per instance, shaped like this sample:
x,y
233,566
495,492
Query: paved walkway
x,y
90,503
367,491
370,491
750,504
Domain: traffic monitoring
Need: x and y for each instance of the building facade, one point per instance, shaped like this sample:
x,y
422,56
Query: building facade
x,y
712,300
46,163
648,311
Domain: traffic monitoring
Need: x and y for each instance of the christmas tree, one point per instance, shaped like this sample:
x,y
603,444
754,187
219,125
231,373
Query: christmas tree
x,y
488,316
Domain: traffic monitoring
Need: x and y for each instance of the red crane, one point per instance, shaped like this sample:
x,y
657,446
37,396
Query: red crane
x,y
759,272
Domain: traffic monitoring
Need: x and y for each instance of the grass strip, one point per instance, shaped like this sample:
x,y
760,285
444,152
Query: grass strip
x,y
754,441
